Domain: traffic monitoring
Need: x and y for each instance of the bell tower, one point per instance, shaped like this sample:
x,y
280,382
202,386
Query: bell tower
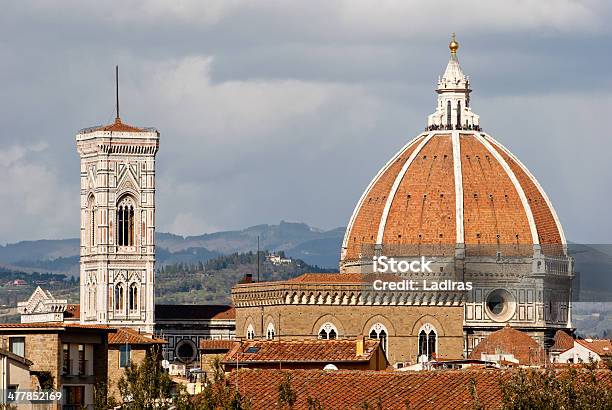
x,y
117,252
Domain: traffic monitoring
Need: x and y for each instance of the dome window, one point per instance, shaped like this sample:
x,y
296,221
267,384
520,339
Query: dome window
x,y
500,305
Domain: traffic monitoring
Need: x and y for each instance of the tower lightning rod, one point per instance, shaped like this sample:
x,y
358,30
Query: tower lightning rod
x,y
117,90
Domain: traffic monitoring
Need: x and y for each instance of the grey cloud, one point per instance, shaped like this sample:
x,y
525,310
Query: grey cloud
x,y
272,112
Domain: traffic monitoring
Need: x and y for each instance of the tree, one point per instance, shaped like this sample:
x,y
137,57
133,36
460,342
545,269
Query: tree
x,y
102,401
218,393
314,404
583,388
146,385
286,395
476,405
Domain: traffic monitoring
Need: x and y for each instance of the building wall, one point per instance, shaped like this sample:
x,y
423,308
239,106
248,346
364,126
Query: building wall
x,y
115,372
402,323
43,349
207,361
578,354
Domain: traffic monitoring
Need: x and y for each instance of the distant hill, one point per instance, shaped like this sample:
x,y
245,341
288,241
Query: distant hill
x,y
313,246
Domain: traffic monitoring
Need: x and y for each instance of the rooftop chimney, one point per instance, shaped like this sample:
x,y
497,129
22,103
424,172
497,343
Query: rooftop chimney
x,y
360,345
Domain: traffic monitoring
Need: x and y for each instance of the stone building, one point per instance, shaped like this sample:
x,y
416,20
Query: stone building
x,y
124,347
457,197
185,327
75,356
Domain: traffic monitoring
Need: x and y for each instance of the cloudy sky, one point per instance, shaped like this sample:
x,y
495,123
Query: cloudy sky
x,y
273,110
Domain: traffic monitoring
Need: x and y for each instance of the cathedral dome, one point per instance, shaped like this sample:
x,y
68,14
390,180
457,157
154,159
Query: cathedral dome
x,y
453,184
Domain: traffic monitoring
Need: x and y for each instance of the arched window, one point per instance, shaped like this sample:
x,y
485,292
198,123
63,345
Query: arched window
x,y
250,333
379,331
448,113
270,332
328,331
428,341
125,221
458,113
133,299
91,211
119,296
91,300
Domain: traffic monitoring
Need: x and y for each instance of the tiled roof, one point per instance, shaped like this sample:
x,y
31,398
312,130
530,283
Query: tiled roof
x,y
329,278
313,351
53,325
217,344
511,341
131,336
194,312
602,347
563,342
73,312
346,389
117,126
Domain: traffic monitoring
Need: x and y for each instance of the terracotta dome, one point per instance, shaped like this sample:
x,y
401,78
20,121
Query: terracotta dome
x,y
510,341
452,184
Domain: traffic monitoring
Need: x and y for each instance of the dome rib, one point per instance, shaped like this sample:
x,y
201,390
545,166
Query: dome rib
x,y
535,182
517,187
394,187
359,207
458,174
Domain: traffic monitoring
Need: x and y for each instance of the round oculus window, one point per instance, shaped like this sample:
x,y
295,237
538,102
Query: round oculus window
x,y
500,305
185,351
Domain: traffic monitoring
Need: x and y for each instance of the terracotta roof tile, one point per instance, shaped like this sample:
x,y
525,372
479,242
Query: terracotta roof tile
x,y
118,126
210,344
346,389
511,341
131,336
562,342
73,312
329,278
313,351
350,389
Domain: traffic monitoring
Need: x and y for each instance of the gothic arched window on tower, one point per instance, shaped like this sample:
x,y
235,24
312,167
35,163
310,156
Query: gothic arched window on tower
x,y
119,296
427,341
448,113
133,298
91,210
125,221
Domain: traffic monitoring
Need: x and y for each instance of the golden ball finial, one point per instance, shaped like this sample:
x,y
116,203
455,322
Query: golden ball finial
x,y
453,45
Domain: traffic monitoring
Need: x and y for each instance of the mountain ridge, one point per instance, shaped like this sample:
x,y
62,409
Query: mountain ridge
x,y
296,239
